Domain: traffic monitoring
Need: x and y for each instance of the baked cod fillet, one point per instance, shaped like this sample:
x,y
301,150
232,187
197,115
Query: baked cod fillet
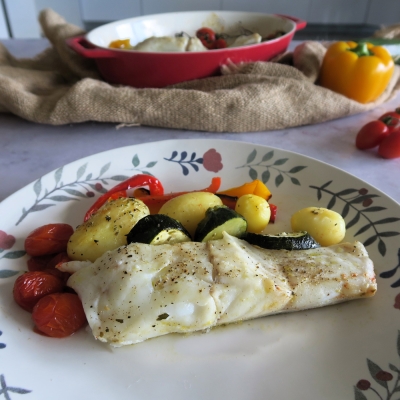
x,y
141,291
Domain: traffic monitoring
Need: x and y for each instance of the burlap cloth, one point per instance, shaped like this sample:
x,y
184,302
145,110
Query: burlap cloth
x,y
60,87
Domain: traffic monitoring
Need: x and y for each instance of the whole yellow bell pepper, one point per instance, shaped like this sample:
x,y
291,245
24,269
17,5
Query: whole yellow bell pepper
x,y
359,71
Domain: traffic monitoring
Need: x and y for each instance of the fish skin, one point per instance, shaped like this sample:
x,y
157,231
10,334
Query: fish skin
x,y
140,291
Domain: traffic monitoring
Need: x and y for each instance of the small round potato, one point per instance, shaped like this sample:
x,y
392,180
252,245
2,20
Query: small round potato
x,y
255,210
190,208
327,227
106,229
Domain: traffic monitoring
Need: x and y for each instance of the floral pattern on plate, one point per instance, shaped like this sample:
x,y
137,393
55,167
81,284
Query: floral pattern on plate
x,y
6,390
295,181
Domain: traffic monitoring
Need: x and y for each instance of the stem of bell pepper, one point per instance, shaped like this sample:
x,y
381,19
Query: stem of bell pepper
x,y
120,190
156,202
362,50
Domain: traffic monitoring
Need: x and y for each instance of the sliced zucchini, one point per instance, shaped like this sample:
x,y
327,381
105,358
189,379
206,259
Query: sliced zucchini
x,y
283,241
217,220
158,229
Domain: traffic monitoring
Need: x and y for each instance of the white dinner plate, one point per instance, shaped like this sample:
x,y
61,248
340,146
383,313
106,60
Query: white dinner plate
x,y
341,352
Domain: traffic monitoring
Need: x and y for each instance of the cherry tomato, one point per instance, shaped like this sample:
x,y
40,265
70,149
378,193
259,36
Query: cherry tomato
x,y
390,146
39,263
48,263
30,287
207,37
391,119
59,314
48,239
371,134
393,114
220,44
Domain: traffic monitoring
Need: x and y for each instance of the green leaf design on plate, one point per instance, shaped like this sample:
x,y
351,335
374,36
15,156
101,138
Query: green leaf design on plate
x,y
37,187
358,212
269,168
104,169
384,378
12,255
358,394
81,171
136,165
7,273
58,174
135,161
77,189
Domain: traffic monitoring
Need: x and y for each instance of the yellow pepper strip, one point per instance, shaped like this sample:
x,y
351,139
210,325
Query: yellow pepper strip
x,y
359,71
120,44
256,187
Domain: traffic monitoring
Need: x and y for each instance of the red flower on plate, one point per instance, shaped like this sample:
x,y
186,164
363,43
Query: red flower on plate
x,y
397,302
6,241
363,384
212,160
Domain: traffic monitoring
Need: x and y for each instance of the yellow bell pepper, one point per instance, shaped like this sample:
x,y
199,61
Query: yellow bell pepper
x,y
255,187
120,44
359,71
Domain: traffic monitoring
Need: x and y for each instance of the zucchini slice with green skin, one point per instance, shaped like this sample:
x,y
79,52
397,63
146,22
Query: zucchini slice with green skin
x,y
282,241
217,220
158,229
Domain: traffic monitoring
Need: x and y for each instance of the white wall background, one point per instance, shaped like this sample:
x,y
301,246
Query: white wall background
x,y
22,14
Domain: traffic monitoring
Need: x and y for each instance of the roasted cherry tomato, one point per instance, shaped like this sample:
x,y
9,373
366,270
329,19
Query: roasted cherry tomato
x,y
220,44
390,146
371,134
48,239
207,37
30,287
48,263
39,263
59,314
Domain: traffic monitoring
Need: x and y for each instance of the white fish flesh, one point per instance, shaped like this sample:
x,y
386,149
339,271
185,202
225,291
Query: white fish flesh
x,y
170,44
139,291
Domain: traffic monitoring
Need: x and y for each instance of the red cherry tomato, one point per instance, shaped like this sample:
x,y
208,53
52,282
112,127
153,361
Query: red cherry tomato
x,y
391,119
30,287
207,37
48,263
39,263
390,146
48,239
59,315
220,44
371,134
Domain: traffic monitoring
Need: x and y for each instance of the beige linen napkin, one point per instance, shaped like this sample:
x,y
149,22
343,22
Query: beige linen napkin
x,y
60,87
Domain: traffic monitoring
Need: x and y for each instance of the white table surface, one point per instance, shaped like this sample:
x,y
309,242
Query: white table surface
x,y
29,150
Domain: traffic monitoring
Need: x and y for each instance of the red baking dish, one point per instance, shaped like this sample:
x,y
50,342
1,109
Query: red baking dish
x,y
160,69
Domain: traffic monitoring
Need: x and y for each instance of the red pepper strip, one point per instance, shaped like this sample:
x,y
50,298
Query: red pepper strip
x,y
135,181
156,202
273,209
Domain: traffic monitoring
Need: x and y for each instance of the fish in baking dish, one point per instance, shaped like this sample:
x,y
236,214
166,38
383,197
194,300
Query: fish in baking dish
x,y
140,291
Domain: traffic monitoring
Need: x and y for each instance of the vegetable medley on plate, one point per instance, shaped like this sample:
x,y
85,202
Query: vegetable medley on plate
x,y
145,263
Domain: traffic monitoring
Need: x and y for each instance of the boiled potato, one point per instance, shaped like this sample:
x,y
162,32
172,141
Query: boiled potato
x,y
255,210
327,227
106,229
190,208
